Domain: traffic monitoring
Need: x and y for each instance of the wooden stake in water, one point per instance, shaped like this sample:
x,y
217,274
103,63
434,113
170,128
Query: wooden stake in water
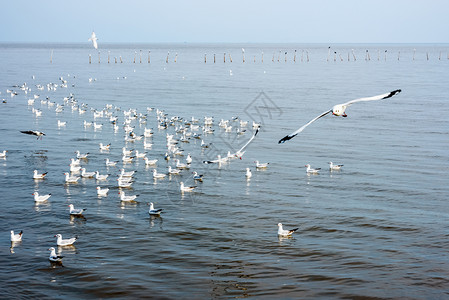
x,y
135,53
328,53
243,54
205,55
98,56
341,58
439,57
307,53
90,59
230,58
378,54
262,56
51,56
335,56
427,54
279,56
121,60
214,57
353,55
294,57
140,52
149,56
385,55
168,54
224,57
176,57
285,59
272,58
367,57
399,54
109,54
115,57
414,51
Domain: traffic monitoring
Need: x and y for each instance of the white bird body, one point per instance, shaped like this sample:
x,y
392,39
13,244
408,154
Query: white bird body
x,y
111,163
70,179
150,162
334,167
74,168
85,174
53,257
173,171
102,192
261,165
124,184
125,198
158,175
64,242
339,110
76,211
94,39
310,170
81,156
75,162
3,154
126,152
181,165
283,232
36,175
105,147
186,188
61,123
154,212
189,159
197,176
248,173
124,173
16,237
100,177
41,198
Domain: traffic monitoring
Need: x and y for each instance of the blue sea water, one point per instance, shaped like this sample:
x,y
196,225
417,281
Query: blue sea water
x,y
376,229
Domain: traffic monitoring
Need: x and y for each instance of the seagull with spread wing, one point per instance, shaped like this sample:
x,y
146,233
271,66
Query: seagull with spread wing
x,y
339,110
94,39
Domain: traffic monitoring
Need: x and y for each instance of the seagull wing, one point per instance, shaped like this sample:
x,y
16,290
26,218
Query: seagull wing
x,y
292,135
247,143
28,132
378,97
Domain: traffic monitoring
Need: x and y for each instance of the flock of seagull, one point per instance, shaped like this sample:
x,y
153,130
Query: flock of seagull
x,y
184,130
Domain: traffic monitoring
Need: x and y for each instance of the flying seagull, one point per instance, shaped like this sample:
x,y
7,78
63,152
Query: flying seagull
x,y
94,39
339,110
37,133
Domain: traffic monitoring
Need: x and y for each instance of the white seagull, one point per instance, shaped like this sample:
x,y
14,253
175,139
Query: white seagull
x,y
53,257
81,156
154,212
64,242
94,39
100,177
310,170
186,188
124,173
339,110
110,163
85,174
71,179
102,192
334,167
261,165
104,147
197,176
248,173
283,232
76,211
173,171
36,175
40,198
3,154
125,198
16,237
157,175
150,162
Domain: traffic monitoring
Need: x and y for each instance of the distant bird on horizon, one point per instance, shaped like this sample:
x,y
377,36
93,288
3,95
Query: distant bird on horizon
x,y
94,39
339,110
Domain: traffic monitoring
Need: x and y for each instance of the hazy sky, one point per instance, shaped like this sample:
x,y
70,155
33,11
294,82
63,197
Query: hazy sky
x,y
311,21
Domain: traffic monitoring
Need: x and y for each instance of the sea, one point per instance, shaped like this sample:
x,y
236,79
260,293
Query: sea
x,y
376,229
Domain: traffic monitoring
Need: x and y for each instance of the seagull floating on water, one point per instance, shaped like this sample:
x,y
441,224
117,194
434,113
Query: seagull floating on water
x,y
3,154
248,173
37,133
41,198
197,176
76,211
310,170
153,211
102,192
37,175
110,163
53,257
157,175
125,198
16,237
339,110
283,232
100,177
71,179
261,165
186,188
333,167
65,242
85,174
81,156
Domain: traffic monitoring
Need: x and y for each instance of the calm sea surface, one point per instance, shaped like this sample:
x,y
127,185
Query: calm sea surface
x,y
377,229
